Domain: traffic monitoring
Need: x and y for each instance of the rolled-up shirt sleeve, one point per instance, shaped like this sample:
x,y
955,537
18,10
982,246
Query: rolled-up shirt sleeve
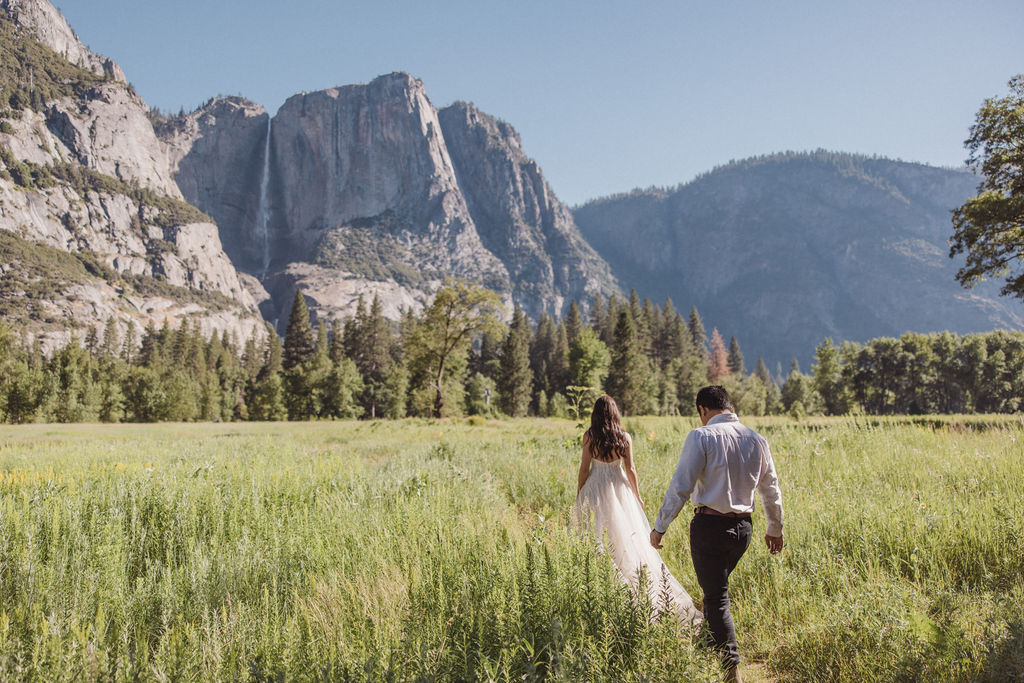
x,y
771,494
688,473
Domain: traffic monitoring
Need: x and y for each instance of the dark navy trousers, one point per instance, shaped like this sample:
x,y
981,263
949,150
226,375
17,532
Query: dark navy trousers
x,y
716,545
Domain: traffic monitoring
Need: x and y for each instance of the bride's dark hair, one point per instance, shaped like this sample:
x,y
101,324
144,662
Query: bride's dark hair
x,y
607,437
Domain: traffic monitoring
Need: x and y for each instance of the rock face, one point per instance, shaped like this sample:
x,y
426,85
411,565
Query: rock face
x,y
369,189
45,23
361,182
106,129
101,186
783,251
217,158
518,217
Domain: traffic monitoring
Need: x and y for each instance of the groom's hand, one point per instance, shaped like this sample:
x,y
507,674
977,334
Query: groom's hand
x,y
656,539
774,543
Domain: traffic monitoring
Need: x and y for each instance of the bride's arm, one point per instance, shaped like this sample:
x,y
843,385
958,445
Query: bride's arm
x,y
631,470
584,465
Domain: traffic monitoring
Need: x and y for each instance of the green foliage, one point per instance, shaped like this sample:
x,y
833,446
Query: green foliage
x,y
32,75
368,249
442,337
735,361
441,551
516,377
936,373
588,360
370,369
299,341
480,395
370,342
165,212
36,273
266,399
989,227
629,378
799,396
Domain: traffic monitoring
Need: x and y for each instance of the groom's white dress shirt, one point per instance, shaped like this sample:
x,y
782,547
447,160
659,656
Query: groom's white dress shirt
x,y
721,466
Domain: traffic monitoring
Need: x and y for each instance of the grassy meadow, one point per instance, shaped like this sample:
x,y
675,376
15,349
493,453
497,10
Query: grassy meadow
x,y
440,550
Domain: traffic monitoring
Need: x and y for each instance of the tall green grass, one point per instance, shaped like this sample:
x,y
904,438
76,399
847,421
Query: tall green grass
x,y
423,550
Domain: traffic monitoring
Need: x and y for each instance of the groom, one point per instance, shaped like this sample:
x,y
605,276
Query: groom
x,y
722,464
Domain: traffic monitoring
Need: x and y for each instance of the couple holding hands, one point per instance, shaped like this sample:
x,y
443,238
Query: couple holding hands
x,y
721,466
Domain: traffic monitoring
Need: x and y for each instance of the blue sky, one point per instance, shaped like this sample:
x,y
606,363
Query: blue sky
x,y
607,96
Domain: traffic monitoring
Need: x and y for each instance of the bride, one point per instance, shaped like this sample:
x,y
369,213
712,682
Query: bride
x,y
609,506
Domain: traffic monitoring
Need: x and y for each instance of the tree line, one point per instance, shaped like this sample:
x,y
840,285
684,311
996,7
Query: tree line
x,y
457,357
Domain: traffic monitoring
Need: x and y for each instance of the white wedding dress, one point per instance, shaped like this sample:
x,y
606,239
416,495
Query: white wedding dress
x,y
608,510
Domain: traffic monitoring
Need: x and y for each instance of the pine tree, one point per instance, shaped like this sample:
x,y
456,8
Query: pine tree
x,y
299,339
698,336
542,350
735,359
340,389
336,350
274,354
718,359
673,339
611,320
650,324
375,358
353,334
128,348
629,375
111,344
149,349
308,383
598,314
635,310
773,395
516,376
92,341
266,397
588,361
573,322
252,359
826,372
558,365
488,360
396,391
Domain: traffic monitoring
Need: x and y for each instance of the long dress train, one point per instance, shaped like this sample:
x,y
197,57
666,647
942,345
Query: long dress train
x,y
607,508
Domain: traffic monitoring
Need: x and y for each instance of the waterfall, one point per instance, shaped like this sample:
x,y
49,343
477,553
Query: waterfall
x,y
263,218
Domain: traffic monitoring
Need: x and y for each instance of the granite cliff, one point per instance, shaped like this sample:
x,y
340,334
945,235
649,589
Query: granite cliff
x,y
84,174
785,250
370,189
517,215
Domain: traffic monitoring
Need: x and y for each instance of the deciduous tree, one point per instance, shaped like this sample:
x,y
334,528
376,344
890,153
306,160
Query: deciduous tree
x,y
458,312
989,227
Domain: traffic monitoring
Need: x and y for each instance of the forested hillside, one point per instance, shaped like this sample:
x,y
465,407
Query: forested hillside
x,y
785,250
458,358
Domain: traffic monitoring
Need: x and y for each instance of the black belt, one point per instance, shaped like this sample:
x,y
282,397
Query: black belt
x,y
705,510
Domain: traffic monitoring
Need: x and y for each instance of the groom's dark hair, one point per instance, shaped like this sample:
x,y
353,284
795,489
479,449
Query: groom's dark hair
x,y
714,397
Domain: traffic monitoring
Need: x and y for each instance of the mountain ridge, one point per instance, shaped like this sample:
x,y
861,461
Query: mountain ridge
x,y
369,187
865,239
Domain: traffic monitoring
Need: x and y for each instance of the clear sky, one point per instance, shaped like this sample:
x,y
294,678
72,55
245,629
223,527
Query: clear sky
x,y
607,96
